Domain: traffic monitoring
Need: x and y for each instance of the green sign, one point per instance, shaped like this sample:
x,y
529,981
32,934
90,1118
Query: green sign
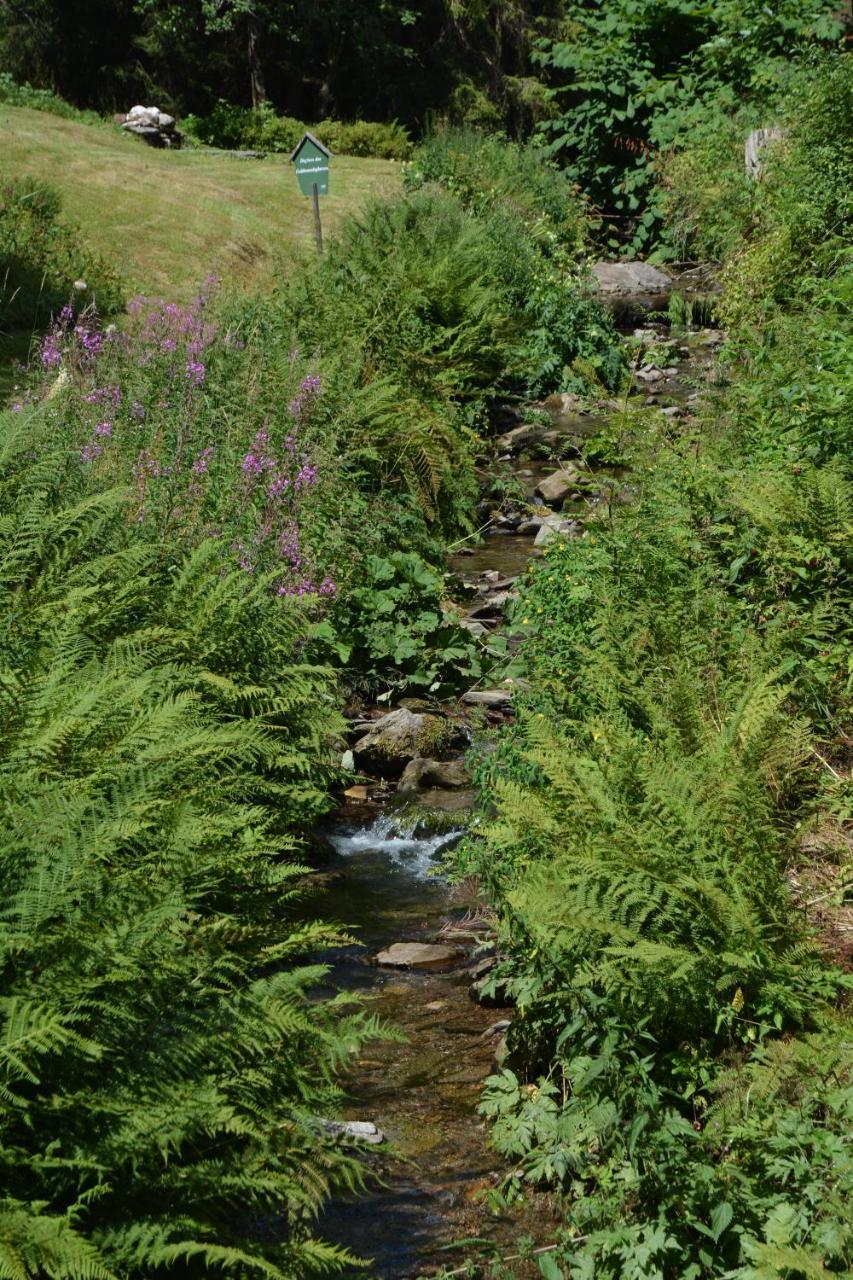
x,y
311,159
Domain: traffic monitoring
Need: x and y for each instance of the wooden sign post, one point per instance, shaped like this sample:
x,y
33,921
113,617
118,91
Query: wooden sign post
x,y
311,159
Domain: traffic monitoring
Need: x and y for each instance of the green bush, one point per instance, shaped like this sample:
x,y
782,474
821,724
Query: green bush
x,y
42,257
261,129
166,1066
637,79
673,1069
381,140
24,95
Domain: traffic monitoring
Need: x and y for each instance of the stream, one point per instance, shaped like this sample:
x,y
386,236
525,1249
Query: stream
x,y
430,1178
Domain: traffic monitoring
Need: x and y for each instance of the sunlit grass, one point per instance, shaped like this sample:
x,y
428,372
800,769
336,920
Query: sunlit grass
x,y
166,218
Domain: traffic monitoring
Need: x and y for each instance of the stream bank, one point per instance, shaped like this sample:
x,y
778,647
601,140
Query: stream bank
x,y
435,1171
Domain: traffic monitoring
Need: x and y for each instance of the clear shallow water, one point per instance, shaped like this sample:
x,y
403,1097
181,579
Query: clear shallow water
x,y
423,1093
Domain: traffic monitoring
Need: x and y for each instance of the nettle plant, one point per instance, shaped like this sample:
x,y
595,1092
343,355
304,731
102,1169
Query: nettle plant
x,y
136,408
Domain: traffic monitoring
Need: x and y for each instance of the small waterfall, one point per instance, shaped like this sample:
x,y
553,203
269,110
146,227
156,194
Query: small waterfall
x,y
398,836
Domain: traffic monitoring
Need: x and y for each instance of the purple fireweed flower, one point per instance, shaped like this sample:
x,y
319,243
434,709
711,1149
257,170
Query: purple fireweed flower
x,y
138,411
253,465
17,407
309,388
169,344
279,485
306,476
91,342
50,353
195,373
90,452
67,313
328,587
104,429
202,462
294,355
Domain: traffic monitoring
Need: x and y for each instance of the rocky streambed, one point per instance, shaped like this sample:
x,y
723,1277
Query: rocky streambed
x,y
425,947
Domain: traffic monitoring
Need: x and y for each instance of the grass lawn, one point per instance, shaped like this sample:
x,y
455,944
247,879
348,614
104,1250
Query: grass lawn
x,y
167,218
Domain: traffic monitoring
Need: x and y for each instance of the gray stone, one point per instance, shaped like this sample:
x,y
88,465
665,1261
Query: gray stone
x,y
420,774
556,487
153,125
496,1029
649,373
392,742
625,278
488,698
555,527
357,1130
473,627
533,525
511,440
419,955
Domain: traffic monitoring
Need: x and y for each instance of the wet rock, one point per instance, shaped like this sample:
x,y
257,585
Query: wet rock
x,y
480,968
397,738
473,627
491,606
496,1029
672,411
625,278
563,403
555,488
533,525
509,521
649,373
355,1130
518,436
448,775
479,991
419,955
499,699
439,802
557,527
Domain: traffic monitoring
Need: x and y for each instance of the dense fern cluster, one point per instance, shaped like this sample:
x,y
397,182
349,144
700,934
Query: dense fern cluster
x,y
679,1064
165,1070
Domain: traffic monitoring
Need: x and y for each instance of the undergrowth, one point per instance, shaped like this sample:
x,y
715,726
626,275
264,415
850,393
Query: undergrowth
x,y
678,1066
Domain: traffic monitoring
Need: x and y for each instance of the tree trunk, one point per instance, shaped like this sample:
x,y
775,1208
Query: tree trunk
x,y
256,70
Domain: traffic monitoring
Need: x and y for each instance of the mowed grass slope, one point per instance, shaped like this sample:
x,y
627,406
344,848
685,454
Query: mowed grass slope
x,y
167,218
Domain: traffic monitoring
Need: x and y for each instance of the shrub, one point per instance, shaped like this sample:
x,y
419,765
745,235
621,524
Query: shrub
x,y
673,1069
637,79
166,1066
247,128
24,95
42,257
382,141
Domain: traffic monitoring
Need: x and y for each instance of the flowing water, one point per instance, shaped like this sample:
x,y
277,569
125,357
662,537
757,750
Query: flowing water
x,y
431,1178
383,870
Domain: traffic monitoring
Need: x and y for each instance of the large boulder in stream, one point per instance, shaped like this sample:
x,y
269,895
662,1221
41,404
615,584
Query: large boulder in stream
x,y
557,527
399,737
446,775
627,279
554,489
420,955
